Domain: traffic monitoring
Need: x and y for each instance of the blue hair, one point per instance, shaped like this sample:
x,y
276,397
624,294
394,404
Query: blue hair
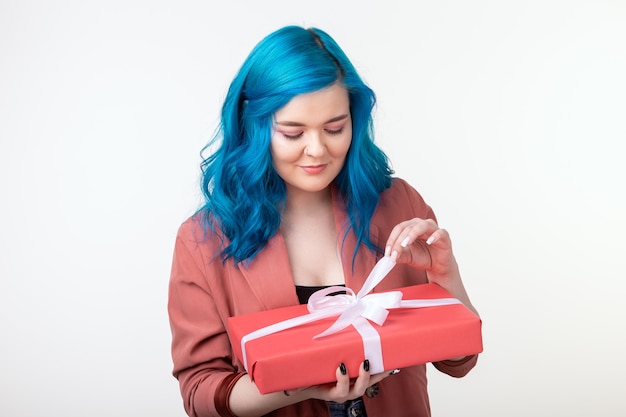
x,y
244,196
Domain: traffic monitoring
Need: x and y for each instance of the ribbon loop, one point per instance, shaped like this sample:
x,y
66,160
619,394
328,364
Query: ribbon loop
x,y
375,313
371,306
320,301
346,318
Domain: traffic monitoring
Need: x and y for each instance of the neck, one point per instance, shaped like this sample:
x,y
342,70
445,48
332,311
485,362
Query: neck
x,y
303,202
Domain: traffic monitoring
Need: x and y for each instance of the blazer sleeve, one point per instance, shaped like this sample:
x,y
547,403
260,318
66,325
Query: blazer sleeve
x,y
461,367
415,203
457,369
201,350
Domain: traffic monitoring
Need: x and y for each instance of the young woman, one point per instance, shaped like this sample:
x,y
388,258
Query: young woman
x,y
298,197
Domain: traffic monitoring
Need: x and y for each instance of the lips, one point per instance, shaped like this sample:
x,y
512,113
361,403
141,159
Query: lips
x,y
314,169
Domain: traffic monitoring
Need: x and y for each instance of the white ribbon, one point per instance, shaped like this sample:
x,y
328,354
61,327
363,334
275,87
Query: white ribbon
x,y
356,310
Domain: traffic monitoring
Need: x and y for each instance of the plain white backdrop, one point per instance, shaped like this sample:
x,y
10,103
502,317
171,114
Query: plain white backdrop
x,y
508,116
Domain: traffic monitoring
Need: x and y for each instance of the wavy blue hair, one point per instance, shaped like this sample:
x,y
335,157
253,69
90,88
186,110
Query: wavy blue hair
x,y
244,196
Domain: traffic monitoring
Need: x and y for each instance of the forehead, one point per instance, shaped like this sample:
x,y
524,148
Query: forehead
x,y
317,107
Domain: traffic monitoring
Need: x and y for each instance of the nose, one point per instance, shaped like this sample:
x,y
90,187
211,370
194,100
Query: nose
x,y
315,146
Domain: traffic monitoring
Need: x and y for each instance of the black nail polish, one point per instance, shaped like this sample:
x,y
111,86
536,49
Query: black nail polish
x,y
342,368
366,365
395,371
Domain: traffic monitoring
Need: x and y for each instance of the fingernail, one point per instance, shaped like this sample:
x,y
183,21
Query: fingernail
x,y
394,256
342,368
395,371
366,365
387,250
405,242
430,240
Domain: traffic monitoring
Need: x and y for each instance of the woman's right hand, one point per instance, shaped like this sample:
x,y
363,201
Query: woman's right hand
x,y
246,401
345,389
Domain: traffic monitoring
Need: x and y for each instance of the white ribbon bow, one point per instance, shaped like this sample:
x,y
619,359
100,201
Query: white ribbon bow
x,y
356,310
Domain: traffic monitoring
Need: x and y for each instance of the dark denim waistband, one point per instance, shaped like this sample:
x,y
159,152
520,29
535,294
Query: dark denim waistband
x,y
351,408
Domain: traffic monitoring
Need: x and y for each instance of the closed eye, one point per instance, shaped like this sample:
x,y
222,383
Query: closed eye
x,y
292,136
334,131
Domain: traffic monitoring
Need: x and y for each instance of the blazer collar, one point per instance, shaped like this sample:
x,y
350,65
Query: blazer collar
x,y
269,275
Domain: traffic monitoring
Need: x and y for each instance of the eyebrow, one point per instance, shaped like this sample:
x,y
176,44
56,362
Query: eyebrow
x,y
298,124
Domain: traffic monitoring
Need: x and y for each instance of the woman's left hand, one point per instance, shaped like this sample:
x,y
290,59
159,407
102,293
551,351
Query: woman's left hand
x,y
423,245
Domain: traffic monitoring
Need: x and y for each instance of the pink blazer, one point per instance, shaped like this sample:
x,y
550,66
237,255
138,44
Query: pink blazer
x,y
204,292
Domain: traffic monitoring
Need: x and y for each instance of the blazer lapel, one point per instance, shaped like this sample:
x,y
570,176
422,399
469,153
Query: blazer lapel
x,y
269,275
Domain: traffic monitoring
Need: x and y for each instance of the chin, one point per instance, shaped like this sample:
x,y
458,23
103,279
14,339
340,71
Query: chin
x,y
311,187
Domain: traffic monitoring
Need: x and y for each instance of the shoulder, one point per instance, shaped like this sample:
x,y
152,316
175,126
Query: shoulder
x,y
196,237
399,186
198,228
405,200
189,228
196,258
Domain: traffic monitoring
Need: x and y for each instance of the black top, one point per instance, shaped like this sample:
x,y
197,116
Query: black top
x,y
305,292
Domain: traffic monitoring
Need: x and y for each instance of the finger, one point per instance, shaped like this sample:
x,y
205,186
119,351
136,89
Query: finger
x,y
406,233
363,381
417,229
379,377
343,381
399,238
439,235
393,237
421,229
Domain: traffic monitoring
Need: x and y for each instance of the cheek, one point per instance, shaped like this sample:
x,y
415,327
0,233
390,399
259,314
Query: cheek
x,y
340,148
283,151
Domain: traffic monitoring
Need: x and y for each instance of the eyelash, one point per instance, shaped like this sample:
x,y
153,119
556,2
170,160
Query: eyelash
x,y
299,135
335,132
292,137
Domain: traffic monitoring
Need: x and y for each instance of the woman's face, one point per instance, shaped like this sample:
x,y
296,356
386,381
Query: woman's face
x,y
312,136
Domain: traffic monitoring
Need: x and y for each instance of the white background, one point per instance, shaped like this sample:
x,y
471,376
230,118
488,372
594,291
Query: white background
x,y
509,118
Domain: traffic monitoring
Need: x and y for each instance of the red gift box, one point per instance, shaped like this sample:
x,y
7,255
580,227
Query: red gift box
x,y
292,358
